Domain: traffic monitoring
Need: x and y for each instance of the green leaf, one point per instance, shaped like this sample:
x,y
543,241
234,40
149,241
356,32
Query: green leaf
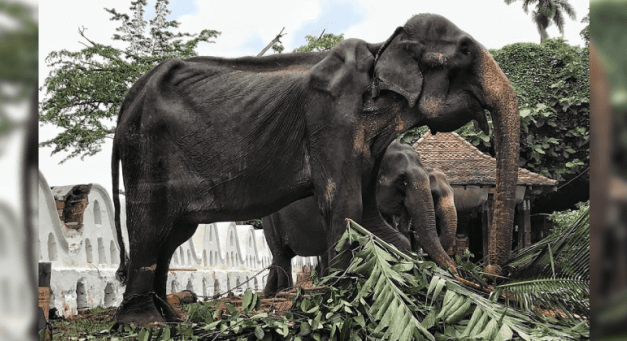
x,y
247,300
505,333
457,313
143,334
429,320
259,333
305,329
489,331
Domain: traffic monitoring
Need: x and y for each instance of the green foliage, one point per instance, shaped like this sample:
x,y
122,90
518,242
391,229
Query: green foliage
x,y
585,33
552,84
278,48
18,53
565,219
382,295
413,135
555,272
323,43
86,88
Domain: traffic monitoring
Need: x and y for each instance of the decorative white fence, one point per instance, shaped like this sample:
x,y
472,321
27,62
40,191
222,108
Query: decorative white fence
x,y
220,257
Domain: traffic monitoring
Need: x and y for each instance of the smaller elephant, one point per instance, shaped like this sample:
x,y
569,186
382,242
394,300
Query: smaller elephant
x,y
397,199
402,193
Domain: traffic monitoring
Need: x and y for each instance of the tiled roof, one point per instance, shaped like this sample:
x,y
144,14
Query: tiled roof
x,y
466,165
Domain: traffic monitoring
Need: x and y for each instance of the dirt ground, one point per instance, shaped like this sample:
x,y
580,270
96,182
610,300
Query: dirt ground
x,y
94,324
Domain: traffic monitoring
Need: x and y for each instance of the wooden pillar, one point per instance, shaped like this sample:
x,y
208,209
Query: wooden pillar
x,y
527,221
520,222
45,271
486,222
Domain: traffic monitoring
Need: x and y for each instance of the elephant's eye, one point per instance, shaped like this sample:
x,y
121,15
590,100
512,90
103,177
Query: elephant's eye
x,y
465,49
464,45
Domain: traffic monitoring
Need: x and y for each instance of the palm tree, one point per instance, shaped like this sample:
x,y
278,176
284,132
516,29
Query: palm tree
x,y
547,12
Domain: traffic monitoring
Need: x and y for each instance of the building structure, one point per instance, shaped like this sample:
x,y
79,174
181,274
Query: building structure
x,y
472,174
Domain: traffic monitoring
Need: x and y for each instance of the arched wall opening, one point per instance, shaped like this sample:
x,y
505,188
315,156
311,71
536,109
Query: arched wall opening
x,y
101,252
52,247
81,296
97,213
114,253
88,251
109,295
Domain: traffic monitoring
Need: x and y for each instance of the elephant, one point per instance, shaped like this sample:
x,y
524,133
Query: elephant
x,y
210,139
407,191
400,200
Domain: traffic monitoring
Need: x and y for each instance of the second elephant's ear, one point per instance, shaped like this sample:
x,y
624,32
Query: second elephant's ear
x,y
345,70
396,69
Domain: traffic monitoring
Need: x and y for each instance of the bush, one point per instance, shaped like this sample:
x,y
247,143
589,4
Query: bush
x,y
564,219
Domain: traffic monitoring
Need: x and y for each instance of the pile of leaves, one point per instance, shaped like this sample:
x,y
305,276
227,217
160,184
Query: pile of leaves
x,y
383,294
554,274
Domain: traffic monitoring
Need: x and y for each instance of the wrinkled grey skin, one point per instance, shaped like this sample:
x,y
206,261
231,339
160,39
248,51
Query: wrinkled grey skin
x,y
211,139
406,191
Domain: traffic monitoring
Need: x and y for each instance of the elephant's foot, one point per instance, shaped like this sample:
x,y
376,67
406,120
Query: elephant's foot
x,y
272,284
145,308
278,280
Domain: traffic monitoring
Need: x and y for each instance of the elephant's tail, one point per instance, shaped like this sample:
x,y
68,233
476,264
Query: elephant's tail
x,y
122,273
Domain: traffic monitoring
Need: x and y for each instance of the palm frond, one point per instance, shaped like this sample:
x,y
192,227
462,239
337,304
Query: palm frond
x,y
554,273
407,297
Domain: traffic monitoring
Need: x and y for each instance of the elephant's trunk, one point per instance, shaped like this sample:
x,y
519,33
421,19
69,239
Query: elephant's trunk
x,y
502,103
421,208
447,215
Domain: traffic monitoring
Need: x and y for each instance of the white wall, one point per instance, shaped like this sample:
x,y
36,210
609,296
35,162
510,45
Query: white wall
x,y
219,255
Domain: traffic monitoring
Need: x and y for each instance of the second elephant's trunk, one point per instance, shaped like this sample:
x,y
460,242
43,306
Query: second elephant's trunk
x,y
447,220
419,204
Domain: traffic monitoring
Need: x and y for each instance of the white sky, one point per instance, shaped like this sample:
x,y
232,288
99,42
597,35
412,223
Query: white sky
x,y
247,26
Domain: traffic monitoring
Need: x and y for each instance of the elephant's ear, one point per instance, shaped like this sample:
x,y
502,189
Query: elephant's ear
x,y
344,70
396,70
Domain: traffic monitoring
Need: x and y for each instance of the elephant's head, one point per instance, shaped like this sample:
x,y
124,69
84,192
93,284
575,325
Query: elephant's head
x,y
444,204
448,79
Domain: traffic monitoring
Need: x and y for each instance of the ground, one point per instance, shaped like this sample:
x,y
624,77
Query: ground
x,y
94,324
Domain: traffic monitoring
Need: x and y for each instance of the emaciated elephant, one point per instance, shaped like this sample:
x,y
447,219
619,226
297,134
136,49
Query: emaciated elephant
x,y
211,139
407,192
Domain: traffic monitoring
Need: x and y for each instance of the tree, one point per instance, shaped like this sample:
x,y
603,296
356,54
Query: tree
x,y
87,87
546,13
324,42
585,33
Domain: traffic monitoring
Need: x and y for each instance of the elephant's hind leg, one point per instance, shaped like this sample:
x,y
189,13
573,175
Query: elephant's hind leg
x,y
280,276
177,236
146,239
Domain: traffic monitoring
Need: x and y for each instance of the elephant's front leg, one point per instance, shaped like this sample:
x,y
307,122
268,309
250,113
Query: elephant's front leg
x,y
338,200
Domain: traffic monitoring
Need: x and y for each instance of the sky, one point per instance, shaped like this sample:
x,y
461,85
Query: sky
x,y
248,26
